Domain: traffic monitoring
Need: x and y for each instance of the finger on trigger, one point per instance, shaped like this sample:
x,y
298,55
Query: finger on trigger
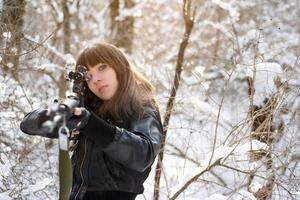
x,y
73,133
76,132
77,111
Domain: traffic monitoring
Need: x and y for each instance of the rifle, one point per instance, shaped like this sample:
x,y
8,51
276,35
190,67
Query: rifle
x,y
59,114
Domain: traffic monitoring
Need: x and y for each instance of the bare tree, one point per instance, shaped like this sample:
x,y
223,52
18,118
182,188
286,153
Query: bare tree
x,y
189,17
66,27
122,28
12,24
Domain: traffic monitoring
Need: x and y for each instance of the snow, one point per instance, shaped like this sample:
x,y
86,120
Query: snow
x,y
60,16
219,153
296,104
128,12
4,196
255,186
38,186
2,89
253,145
264,75
72,8
207,108
230,7
193,77
10,65
70,61
8,114
5,168
56,52
245,195
219,27
225,151
7,35
217,197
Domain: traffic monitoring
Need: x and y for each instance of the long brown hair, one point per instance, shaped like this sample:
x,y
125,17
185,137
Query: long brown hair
x,y
134,90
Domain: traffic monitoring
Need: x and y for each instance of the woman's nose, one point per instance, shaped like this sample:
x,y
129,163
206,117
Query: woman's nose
x,y
96,78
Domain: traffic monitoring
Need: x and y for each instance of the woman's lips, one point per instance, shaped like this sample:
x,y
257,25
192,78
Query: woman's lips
x,y
100,89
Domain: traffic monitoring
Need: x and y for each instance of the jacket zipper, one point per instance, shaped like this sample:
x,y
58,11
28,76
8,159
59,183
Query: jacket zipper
x,y
81,174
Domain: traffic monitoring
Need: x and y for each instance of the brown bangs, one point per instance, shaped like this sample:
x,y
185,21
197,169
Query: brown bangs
x,y
91,57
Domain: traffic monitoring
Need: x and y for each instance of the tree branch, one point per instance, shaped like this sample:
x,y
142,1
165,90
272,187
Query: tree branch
x,y
189,23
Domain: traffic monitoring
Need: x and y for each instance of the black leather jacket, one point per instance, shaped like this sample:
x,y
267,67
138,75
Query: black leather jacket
x,y
122,164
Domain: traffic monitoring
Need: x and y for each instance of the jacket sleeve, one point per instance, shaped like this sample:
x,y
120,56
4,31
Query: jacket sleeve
x,y
137,147
31,124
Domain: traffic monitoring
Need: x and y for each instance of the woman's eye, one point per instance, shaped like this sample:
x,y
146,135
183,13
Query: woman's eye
x,y
88,77
102,67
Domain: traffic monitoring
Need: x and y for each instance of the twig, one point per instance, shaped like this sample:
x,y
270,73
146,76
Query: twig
x,y
193,179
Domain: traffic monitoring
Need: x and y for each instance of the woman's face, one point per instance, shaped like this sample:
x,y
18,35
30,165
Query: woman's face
x,y
103,81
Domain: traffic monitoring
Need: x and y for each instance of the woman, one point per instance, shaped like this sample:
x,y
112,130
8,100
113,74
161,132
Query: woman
x,y
119,129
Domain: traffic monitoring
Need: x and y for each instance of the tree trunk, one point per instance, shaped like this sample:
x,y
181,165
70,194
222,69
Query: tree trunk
x,y
66,27
122,31
12,17
189,16
67,45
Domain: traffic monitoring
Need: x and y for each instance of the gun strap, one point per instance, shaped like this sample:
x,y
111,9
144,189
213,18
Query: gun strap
x,y
65,164
65,175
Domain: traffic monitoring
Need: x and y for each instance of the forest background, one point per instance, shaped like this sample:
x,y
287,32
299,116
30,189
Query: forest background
x,y
227,79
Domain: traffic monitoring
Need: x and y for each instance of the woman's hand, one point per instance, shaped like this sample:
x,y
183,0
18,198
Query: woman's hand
x,y
79,119
74,133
